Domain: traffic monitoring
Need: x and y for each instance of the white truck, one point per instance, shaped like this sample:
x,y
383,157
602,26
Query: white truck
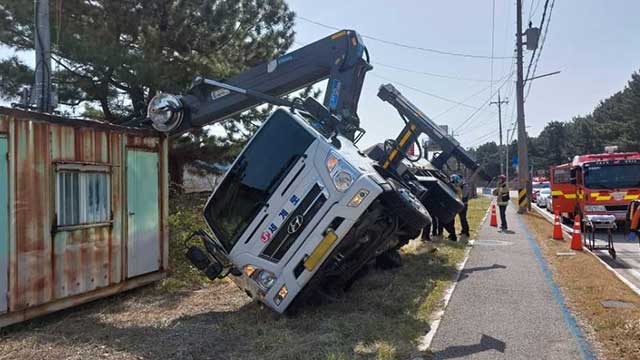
x,y
303,210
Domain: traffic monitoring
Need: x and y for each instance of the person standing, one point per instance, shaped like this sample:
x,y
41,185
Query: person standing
x,y
466,194
456,181
502,198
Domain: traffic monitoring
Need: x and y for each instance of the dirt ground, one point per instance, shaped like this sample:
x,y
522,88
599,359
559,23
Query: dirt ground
x,y
381,317
585,282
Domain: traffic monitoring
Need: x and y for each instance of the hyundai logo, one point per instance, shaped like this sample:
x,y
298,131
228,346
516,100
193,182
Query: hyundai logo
x,y
295,224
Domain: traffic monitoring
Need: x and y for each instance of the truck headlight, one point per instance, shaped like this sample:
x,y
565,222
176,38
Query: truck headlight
x,y
342,180
165,112
265,279
594,208
341,172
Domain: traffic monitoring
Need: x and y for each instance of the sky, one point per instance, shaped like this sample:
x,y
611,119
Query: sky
x,y
594,43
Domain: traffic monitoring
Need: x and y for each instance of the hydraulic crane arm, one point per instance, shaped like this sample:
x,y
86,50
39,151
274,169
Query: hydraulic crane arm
x,y
419,123
338,57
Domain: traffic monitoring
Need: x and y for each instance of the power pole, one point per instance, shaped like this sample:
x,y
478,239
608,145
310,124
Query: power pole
x,y
506,161
499,103
41,98
524,190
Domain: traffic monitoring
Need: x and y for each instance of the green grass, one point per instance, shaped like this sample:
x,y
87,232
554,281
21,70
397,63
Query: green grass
x,y
185,217
383,316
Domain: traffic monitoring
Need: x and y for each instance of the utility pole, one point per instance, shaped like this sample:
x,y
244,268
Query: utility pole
x,y
41,98
506,161
499,103
524,189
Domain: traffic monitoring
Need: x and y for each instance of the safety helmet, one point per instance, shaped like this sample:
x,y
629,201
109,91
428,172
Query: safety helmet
x,y
502,178
456,179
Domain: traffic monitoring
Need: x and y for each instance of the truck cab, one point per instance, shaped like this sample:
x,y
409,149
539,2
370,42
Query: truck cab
x,y
597,184
289,198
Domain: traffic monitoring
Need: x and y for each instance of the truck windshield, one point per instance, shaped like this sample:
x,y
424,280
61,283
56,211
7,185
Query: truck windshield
x,y
612,176
249,183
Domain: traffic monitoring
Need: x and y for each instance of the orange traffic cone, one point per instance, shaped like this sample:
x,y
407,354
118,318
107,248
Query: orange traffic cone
x,y
576,239
557,228
494,219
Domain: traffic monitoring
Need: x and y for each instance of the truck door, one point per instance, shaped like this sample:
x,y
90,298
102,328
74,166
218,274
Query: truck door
x,y
4,223
563,192
143,240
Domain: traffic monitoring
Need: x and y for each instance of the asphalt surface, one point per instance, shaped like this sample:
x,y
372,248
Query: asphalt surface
x,y
504,307
627,261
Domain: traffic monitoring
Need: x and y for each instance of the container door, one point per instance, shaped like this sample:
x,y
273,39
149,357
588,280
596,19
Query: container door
x,y
143,241
4,223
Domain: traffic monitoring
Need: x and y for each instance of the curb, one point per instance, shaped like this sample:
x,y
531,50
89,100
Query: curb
x,y
566,230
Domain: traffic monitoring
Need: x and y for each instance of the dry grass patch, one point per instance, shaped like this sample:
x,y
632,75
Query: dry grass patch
x,y
585,283
381,317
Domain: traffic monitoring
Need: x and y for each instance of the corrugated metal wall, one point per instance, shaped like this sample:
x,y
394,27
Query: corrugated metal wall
x,y
48,264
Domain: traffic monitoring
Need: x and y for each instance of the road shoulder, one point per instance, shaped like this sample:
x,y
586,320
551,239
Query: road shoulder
x,y
586,284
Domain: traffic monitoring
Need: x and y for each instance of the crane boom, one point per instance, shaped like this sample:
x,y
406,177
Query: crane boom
x,y
338,58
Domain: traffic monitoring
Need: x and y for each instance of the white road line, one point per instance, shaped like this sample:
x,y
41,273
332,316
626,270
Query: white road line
x,y
568,232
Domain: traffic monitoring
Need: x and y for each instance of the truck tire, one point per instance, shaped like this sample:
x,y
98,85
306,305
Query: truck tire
x,y
389,259
407,207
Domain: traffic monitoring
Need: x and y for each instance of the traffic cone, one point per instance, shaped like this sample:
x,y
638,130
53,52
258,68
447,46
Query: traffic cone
x,y
576,239
557,228
494,219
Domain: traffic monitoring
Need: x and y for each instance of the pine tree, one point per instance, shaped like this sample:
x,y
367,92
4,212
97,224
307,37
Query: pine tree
x,y
113,56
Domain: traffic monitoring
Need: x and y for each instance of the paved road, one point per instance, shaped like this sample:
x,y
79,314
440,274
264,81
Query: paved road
x,y
627,262
504,307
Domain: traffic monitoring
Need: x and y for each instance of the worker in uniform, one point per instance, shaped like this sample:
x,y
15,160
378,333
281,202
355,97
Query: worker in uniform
x,y
502,198
465,194
633,220
433,229
456,181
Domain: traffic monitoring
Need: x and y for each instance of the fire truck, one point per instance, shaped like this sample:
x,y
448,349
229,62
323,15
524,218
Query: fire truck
x,y
596,184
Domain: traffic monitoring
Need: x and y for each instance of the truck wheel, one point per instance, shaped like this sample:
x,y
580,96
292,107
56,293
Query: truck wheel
x,y
407,207
389,259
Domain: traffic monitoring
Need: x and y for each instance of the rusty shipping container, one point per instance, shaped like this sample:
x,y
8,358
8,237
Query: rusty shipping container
x,y
83,211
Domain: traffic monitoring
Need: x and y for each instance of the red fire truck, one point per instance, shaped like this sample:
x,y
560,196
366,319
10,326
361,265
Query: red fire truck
x,y
602,184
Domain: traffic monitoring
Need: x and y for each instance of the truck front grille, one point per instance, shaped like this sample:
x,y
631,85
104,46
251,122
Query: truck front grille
x,y
289,231
616,207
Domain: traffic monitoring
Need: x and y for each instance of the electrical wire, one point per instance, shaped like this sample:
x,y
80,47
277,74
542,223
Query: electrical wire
x,y
483,138
406,46
544,37
532,11
450,77
419,72
493,30
484,104
425,92
533,55
469,97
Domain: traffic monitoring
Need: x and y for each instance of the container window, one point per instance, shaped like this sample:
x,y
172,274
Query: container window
x,y
82,197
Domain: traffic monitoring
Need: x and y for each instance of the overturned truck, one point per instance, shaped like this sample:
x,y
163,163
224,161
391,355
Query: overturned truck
x,y
302,210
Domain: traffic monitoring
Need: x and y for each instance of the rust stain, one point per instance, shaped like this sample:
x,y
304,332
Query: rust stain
x,y
4,124
47,265
33,239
